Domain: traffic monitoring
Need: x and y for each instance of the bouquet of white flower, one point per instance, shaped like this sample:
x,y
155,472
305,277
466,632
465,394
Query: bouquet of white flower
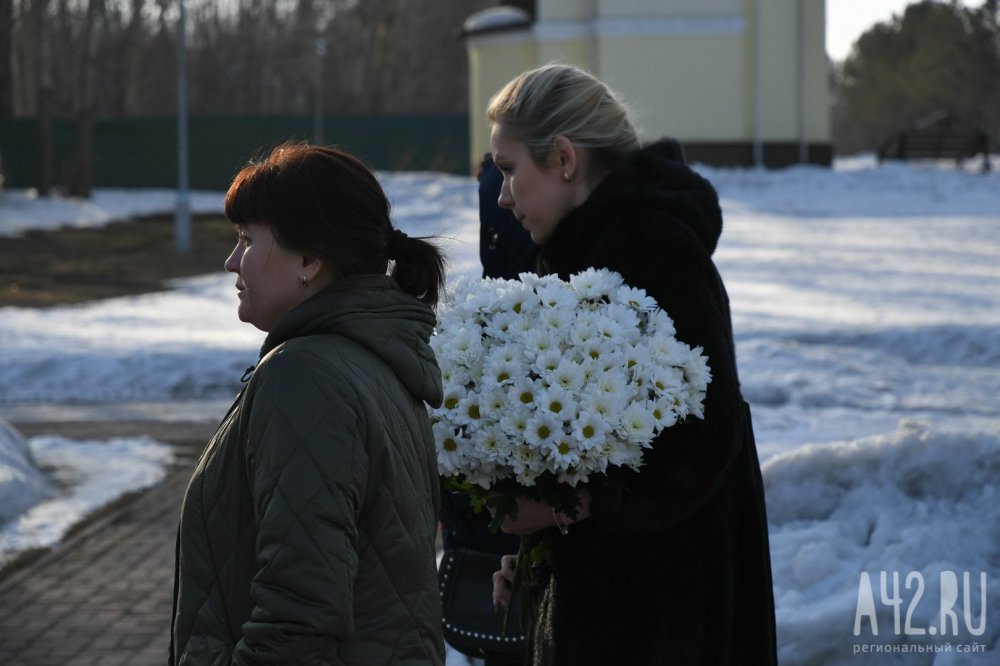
x,y
547,383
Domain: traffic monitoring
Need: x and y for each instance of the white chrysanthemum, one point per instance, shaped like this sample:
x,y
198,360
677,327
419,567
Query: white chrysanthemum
x,y
499,325
557,295
465,345
485,478
498,372
517,298
503,352
636,359
556,320
613,383
611,359
589,430
636,299
663,415
665,378
562,454
455,374
557,402
490,446
533,280
568,375
696,369
609,329
527,464
481,300
594,284
523,394
547,362
540,341
573,476
660,323
467,411
584,332
543,428
619,453
669,351
637,423
605,405
449,454
493,404
515,423
694,404
452,396
626,320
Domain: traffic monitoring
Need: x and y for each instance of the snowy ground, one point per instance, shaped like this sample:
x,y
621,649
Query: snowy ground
x,y
866,305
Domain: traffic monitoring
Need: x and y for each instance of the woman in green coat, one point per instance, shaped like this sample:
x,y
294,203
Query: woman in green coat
x,y
307,533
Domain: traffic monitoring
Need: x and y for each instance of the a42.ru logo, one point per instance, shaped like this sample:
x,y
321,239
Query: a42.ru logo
x,y
956,603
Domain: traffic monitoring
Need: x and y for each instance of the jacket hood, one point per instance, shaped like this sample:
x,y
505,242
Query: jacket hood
x,y
374,312
656,178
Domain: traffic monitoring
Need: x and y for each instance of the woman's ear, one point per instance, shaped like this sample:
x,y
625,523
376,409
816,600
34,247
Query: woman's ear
x,y
567,157
314,268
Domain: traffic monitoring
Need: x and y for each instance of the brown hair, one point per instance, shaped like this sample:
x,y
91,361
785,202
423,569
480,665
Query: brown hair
x,y
324,201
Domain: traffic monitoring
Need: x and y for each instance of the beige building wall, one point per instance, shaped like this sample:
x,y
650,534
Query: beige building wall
x,y
689,68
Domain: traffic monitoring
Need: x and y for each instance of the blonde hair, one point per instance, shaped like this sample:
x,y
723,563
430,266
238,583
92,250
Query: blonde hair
x,y
552,100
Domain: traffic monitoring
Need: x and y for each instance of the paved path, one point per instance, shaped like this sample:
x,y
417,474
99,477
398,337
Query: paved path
x,y
104,596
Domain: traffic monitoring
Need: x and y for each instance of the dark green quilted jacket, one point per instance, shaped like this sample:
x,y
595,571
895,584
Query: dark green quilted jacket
x,y
307,533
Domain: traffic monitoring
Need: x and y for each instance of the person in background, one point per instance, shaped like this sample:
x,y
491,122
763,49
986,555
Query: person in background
x,y
668,564
307,533
505,248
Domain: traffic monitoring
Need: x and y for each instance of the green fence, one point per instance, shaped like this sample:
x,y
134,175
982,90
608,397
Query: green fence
x,y
142,152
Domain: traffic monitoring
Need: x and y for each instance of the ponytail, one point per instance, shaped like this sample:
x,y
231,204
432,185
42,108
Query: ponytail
x,y
418,266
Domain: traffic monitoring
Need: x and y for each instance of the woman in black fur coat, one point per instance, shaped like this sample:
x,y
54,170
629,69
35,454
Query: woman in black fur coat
x,y
674,568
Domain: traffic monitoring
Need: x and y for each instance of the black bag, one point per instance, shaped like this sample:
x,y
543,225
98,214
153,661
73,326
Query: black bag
x,y
471,625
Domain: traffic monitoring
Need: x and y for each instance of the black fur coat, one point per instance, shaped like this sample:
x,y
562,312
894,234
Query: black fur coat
x,y
677,571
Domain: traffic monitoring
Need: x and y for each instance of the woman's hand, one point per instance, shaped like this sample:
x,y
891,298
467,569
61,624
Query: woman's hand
x,y
533,516
503,581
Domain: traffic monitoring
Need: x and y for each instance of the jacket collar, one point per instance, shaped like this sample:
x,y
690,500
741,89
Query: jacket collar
x,y
374,312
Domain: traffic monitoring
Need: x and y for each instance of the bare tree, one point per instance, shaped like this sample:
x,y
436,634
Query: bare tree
x,y
81,173
43,92
6,58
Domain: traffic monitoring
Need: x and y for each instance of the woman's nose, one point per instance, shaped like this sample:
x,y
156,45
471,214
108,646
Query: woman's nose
x,y
505,200
233,260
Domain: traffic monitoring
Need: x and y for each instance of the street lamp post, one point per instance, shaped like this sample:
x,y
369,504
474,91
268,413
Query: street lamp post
x,y
318,90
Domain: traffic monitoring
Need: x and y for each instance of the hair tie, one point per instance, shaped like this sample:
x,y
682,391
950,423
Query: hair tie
x,y
395,244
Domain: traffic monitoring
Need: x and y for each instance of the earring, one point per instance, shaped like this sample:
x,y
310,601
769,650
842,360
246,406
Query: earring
x,y
566,176
304,280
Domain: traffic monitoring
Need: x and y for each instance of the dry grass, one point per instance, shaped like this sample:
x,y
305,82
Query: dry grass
x,y
74,265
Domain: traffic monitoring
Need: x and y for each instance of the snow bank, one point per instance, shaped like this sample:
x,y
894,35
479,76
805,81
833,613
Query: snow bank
x,y
923,502
22,484
88,475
